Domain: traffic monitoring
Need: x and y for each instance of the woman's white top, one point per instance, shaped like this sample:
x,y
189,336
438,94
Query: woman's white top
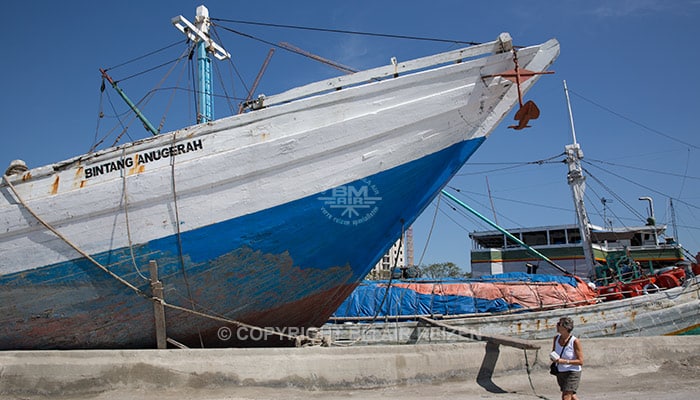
x,y
567,354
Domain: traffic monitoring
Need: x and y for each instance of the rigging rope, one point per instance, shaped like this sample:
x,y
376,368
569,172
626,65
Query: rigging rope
x,y
126,221
71,244
528,368
181,256
430,232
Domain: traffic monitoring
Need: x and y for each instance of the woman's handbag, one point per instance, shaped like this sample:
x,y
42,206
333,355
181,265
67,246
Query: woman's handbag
x,y
553,369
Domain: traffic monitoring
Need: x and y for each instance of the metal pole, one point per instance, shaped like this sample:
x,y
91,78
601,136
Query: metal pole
x,y
199,33
571,115
577,181
505,232
146,124
206,105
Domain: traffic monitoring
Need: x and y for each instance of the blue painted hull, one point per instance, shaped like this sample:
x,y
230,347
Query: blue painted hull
x,y
289,266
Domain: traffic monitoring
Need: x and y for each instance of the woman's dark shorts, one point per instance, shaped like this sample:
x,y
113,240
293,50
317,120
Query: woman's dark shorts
x,y
568,381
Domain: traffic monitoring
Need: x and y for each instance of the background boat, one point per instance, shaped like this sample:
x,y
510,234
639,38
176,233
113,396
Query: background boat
x,y
670,312
666,284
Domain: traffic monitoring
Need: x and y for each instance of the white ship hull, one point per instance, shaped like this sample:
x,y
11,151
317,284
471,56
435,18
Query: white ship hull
x,y
269,217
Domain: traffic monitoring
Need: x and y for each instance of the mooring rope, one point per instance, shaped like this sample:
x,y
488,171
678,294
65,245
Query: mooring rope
x,y
528,368
129,284
71,244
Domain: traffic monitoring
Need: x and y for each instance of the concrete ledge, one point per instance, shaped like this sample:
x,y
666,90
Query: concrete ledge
x,y
94,371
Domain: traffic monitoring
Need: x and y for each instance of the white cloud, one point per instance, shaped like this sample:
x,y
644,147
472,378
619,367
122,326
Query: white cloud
x,y
627,8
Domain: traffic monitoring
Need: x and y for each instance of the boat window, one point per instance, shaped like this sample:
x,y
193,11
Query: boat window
x,y
637,240
557,237
535,238
512,243
490,242
573,235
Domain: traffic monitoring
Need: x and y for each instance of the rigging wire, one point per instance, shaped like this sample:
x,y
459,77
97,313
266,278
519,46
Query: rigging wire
x,y
172,94
638,184
100,114
470,217
278,46
147,55
121,124
611,211
655,171
328,30
193,78
144,100
443,212
171,99
161,65
430,232
617,114
216,34
218,72
116,115
685,174
526,203
615,195
511,165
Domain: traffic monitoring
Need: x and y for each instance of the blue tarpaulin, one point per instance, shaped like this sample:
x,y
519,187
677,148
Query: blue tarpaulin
x,y
488,294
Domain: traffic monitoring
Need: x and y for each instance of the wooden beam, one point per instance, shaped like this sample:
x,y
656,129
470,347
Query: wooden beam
x,y
496,339
158,308
504,41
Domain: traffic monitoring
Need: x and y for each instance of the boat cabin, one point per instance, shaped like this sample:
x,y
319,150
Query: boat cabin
x,y
492,252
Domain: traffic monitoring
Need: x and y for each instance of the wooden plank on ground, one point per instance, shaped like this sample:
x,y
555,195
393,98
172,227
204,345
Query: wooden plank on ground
x,y
493,338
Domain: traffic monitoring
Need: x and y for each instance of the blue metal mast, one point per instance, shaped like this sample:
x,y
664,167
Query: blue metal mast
x,y
205,109
199,33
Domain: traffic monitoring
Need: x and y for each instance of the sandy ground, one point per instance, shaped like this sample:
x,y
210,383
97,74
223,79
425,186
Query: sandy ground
x,y
668,380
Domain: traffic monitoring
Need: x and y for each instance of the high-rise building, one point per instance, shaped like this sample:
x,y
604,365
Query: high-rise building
x,y
400,255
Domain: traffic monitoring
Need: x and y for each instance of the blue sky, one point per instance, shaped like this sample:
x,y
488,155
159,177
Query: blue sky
x,y
631,67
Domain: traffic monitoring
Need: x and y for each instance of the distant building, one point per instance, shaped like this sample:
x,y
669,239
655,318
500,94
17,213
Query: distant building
x,y
400,255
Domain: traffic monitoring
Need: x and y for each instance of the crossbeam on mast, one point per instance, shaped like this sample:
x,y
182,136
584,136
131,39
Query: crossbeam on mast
x,y
199,34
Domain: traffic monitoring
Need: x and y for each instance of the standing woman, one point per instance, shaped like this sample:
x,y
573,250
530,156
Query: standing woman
x,y
570,360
